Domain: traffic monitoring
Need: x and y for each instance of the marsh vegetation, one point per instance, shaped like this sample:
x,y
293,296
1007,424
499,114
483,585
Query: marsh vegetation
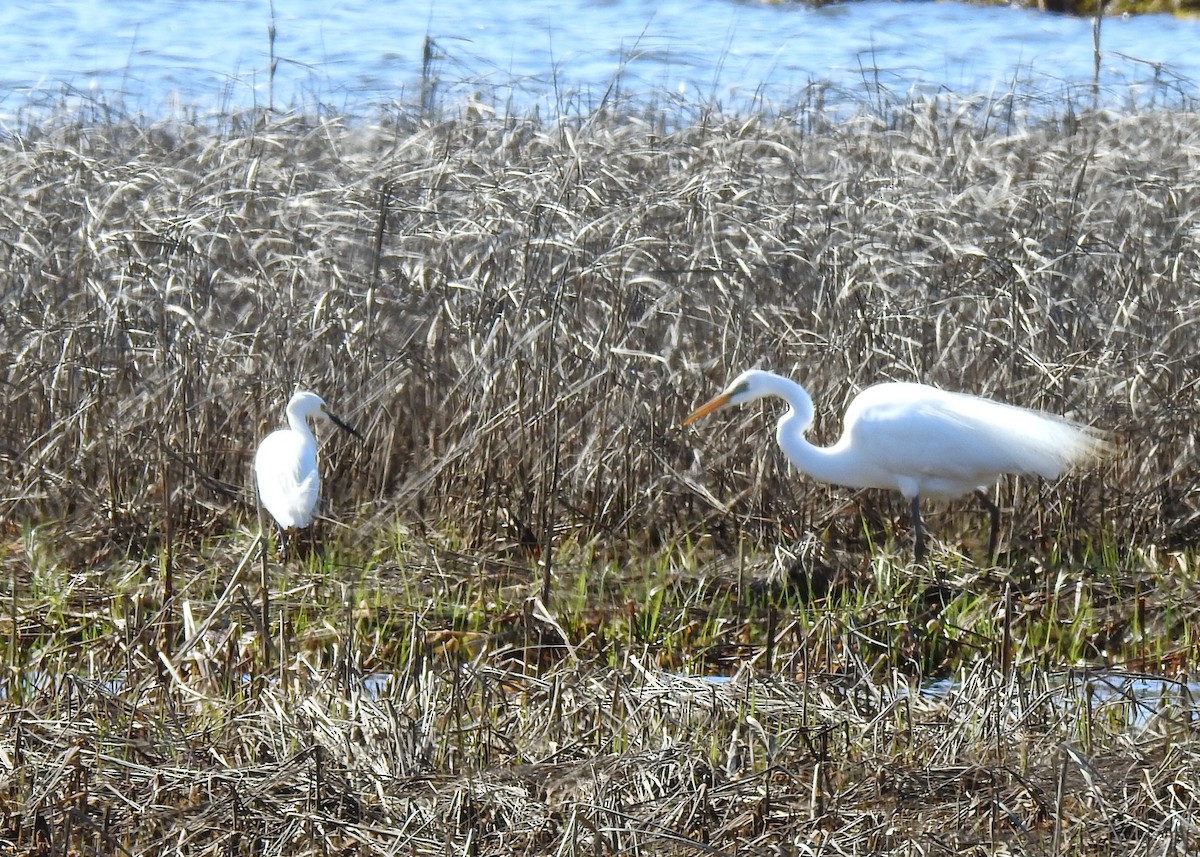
x,y
540,616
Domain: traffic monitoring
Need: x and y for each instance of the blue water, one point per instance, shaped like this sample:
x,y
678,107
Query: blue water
x,y
1139,699
347,56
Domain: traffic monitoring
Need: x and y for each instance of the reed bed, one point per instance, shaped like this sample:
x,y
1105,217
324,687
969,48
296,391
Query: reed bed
x,y
591,760
518,313
539,567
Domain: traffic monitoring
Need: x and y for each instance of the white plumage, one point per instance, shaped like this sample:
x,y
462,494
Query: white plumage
x,y
919,440
285,465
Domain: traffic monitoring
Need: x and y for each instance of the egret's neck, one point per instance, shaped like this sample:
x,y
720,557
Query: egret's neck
x,y
835,464
298,423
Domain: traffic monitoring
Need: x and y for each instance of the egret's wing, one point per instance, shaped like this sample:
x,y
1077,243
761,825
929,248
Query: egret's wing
x,y
924,432
288,484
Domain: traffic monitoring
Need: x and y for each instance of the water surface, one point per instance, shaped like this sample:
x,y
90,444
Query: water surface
x,y
352,54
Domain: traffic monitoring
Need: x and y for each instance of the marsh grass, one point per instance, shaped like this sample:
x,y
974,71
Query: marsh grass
x,y
540,617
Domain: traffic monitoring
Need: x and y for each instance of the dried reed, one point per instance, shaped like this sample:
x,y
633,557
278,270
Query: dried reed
x,y
496,301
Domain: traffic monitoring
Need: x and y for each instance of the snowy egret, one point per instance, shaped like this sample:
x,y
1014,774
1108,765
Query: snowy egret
x,y
919,440
286,464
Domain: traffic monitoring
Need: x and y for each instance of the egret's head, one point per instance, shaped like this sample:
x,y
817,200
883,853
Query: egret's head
x,y
304,405
747,387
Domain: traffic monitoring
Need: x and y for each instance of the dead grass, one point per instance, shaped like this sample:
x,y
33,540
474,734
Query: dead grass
x,y
591,759
517,313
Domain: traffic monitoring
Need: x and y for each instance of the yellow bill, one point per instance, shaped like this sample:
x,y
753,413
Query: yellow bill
x,y
708,407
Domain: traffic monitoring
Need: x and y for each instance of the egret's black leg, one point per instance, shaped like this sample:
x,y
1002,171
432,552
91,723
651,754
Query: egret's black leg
x,y
918,530
994,531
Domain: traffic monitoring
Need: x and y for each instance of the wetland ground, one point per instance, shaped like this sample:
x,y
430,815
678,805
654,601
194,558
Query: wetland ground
x,y
541,617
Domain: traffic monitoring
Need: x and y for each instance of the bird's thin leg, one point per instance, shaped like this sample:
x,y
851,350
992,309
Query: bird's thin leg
x,y
918,530
283,542
994,531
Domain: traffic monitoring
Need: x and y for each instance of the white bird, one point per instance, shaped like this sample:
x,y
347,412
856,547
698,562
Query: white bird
x,y
285,464
920,441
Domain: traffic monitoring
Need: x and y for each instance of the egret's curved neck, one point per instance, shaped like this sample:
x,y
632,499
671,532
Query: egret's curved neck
x,y
298,423
835,464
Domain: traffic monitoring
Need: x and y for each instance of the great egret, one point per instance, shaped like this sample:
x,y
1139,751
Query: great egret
x,y
919,440
285,465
